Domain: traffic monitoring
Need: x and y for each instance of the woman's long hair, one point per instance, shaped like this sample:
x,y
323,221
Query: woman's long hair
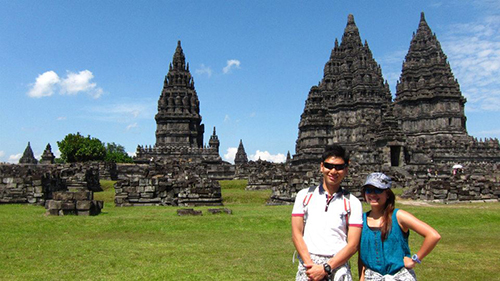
x,y
385,228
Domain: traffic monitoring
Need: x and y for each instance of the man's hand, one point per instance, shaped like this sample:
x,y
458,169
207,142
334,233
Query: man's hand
x,y
315,272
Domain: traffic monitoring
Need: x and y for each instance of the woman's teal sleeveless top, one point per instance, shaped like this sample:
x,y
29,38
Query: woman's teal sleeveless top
x,y
384,257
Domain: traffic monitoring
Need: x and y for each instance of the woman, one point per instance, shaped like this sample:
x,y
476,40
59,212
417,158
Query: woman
x,y
384,253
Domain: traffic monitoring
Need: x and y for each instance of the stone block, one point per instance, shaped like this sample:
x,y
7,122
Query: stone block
x,y
83,213
53,205
83,204
52,212
68,206
83,195
188,212
63,196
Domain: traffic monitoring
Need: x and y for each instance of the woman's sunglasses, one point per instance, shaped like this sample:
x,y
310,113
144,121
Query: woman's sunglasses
x,y
374,190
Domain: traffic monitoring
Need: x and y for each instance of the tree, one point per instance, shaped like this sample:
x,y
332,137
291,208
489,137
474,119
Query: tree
x,y
77,148
116,153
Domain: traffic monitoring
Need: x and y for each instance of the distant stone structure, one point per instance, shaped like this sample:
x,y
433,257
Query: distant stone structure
x,y
36,184
80,203
47,156
179,131
241,155
422,130
28,156
176,183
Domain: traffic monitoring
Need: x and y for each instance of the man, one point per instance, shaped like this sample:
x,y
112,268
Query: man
x,y
327,222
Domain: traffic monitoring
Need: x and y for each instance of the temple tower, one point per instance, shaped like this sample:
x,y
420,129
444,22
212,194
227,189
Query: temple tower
x,y
348,104
429,103
47,156
28,156
178,119
214,141
241,155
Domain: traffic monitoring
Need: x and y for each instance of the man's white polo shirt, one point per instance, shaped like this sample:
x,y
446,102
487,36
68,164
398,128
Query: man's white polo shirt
x,y
325,227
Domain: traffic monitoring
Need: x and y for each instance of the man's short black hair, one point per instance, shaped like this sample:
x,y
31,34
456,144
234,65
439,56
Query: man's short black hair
x,y
337,151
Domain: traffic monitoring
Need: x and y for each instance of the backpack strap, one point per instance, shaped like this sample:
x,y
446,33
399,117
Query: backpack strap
x,y
308,196
347,206
307,199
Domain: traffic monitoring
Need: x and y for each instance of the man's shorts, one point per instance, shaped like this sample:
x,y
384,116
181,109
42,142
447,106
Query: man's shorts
x,y
341,273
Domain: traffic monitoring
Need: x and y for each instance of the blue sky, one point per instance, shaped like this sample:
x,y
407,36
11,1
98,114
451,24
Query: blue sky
x,y
97,67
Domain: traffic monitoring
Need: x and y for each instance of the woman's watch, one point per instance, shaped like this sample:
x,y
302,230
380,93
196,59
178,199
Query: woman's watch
x,y
416,259
327,268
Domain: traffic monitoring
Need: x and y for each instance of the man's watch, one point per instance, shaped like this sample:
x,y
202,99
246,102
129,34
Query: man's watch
x,y
327,268
416,259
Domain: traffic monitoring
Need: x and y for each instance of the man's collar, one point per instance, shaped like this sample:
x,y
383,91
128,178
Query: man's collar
x,y
323,191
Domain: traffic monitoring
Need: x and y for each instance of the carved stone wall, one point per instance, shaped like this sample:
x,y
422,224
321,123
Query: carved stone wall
x,y
264,174
175,183
34,184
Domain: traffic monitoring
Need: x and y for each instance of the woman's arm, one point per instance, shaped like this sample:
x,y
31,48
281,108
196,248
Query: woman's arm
x,y
431,236
361,268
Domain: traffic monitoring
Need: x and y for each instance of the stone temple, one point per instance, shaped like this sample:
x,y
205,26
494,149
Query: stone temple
x,y
179,131
421,132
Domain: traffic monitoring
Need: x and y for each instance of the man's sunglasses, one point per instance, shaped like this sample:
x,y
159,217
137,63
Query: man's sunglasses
x,y
374,190
337,167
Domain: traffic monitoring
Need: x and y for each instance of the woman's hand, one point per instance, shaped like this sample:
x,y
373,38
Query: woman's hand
x,y
409,263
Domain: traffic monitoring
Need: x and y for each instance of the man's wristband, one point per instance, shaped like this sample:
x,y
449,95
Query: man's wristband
x,y
416,259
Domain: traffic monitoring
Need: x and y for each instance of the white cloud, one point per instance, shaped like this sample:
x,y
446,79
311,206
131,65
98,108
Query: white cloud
x,y
473,50
227,118
204,70
265,155
123,112
2,153
74,83
131,154
231,153
231,64
44,85
60,118
15,158
133,125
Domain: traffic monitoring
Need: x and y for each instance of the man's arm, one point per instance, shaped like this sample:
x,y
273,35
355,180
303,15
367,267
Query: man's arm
x,y
317,272
298,239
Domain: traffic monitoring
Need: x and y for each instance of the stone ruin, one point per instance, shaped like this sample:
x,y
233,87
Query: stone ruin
x,y
80,203
50,186
28,156
179,131
174,183
416,138
423,129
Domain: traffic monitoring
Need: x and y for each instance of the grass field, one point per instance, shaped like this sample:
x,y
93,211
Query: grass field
x,y
153,243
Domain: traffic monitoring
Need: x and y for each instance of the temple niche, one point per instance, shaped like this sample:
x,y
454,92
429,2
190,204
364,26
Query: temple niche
x,y
417,138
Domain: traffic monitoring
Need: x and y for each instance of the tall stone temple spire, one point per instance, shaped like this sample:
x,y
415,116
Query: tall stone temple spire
x,y
347,105
28,156
428,100
241,155
178,120
179,131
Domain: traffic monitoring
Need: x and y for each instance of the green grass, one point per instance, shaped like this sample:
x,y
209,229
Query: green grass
x,y
153,243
